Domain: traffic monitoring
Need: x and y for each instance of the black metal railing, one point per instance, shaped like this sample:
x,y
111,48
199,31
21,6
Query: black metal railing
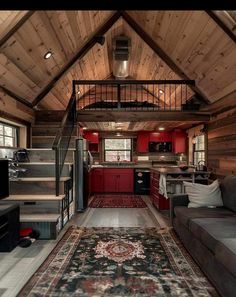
x,y
62,139
169,95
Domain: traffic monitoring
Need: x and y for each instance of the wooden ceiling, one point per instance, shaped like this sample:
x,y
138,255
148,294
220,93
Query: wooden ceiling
x,y
173,45
136,126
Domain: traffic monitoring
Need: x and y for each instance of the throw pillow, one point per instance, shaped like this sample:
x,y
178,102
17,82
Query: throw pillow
x,y
203,195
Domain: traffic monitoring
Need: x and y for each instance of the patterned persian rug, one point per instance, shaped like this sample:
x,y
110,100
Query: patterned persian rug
x,y
137,262
117,201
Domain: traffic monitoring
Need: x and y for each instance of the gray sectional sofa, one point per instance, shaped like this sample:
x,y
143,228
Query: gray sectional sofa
x,y
209,234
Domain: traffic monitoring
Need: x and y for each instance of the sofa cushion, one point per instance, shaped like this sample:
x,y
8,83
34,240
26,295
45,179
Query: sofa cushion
x,y
228,191
203,195
211,230
185,214
225,253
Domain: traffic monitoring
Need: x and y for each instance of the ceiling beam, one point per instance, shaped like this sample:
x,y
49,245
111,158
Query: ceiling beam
x,y
16,27
221,24
16,97
158,50
139,116
88,45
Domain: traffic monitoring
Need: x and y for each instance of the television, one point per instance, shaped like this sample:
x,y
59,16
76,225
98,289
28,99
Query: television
x,y
4,179
160,147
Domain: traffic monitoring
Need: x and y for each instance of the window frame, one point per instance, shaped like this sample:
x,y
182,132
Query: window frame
x,y
199,151
115,150
15,136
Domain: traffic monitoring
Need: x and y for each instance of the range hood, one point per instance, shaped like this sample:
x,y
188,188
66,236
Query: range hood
x,y
121,45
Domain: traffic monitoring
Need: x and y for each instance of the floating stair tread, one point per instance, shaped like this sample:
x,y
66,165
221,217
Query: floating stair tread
x,y
47,179
45,149
34,198
43,163
39,217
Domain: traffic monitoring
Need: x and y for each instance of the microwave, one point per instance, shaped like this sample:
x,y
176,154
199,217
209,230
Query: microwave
x,y
160,147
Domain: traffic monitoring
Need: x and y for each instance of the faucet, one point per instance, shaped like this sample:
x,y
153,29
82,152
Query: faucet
x,y
118,159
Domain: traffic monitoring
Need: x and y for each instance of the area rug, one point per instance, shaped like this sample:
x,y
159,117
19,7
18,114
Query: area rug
x,y
137,262
117,201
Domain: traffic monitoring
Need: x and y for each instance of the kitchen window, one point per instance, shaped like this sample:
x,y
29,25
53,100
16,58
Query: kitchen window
x,y
8,135
117,150
199,149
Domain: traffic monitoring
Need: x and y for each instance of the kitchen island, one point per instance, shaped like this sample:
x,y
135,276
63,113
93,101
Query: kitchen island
x,y
166,181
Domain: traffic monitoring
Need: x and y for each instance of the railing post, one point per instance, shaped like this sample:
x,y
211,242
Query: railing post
x,y
118,97
57,171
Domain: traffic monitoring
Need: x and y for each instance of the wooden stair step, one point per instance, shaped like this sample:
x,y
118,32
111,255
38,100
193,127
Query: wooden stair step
x,y
46,179
39,217
34,198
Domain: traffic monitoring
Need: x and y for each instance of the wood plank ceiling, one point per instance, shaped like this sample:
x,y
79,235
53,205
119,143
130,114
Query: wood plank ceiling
x,y
192,40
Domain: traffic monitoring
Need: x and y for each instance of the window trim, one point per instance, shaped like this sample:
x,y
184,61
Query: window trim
x,y
15,139
199,151
129,150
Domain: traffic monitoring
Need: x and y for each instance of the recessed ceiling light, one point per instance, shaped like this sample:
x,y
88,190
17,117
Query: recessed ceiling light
x,y
161,128
161,91
84,128
48,55
119,128
118,123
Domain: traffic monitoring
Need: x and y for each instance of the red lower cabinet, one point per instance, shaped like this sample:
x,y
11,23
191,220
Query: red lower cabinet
x,y
126,181
110,182
118,180
158,200
97,181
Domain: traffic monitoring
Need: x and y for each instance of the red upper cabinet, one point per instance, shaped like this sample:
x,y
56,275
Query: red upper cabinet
x,y
93,138
142,142
161,136
179,141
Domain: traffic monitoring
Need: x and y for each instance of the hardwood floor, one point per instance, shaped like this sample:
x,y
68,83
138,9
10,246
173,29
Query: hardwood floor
x,y
19,265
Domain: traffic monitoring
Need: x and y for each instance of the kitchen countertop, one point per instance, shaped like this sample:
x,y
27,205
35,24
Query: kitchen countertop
x,y
177,170
161,167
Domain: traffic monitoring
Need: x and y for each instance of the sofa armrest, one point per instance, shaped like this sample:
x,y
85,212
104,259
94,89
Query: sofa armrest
x,y
177,200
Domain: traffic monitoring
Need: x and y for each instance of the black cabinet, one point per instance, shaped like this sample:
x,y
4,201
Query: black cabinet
x,y
9,227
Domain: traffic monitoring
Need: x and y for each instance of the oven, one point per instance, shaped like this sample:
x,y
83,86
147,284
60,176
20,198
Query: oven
x,y
142,181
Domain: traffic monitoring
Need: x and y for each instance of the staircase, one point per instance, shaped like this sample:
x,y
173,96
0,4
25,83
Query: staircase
x,y
35,189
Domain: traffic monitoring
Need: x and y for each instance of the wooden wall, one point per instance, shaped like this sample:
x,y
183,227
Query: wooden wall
x,y
222,144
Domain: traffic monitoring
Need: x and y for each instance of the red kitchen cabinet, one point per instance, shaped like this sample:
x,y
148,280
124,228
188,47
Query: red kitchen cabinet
x,y
158,200
93,139
179,141
91,136
161,136
110,181
126,181
142,142
97,181
118,180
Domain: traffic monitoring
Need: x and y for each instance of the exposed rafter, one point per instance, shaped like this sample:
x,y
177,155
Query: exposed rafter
x,y
16,27
89,44
221,24
158,50
16,97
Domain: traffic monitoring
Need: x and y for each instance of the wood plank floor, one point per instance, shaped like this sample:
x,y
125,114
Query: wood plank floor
x,y
19,265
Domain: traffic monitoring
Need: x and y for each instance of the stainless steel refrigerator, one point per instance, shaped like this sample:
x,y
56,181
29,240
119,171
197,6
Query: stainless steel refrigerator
x,y
83,164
